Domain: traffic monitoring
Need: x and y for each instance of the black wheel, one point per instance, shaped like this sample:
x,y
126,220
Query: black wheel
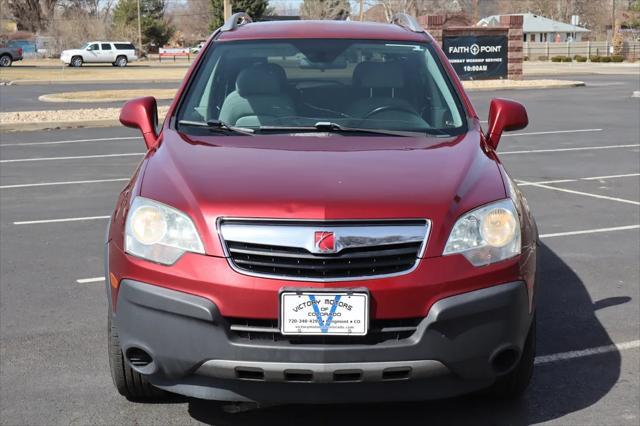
x,y
5,61
121,61
513,384
130,384
76,61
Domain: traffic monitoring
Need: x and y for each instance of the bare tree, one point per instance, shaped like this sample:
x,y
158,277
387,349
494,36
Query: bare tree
x,y
325,9
32,15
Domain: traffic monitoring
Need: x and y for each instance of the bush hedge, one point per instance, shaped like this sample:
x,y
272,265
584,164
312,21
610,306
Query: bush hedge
x,y
596,58
605,59
581,59
617,58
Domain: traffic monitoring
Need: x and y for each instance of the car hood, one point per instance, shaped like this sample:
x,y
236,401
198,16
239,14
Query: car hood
x,y
322,178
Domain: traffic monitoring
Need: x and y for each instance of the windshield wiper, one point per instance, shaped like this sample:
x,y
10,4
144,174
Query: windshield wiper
x,y
327,126
217,125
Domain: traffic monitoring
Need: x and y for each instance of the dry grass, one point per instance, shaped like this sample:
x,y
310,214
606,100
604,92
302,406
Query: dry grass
x,y
107,95
53,70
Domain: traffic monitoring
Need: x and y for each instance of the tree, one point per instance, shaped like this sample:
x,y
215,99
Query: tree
x,y
156,29
255,8
325,9
32,15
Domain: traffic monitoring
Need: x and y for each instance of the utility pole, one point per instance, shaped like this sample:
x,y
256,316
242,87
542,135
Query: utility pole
x,y
227,9
361,10
139,30
613,18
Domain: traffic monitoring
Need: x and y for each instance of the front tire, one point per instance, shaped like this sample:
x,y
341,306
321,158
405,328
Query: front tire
x,y
5,61
514,384
129,383
76,61
121,61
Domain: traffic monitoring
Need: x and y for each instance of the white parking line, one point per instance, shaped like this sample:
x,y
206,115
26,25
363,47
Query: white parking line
x,y
71,182
590,231
69,219
69,141
75,157
552,132
563,356
586,194
90,280
581,148
546,182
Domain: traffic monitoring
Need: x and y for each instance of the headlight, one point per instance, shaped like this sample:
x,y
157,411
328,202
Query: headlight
x,y
486,235
157,232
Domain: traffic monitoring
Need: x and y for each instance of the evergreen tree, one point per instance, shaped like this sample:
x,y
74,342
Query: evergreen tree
x,y
255,8
156,29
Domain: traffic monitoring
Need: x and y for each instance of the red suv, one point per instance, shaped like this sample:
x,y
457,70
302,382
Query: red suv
x,y
321,218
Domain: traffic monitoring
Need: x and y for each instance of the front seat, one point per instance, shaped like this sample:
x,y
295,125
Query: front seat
x,y
259,98
379,84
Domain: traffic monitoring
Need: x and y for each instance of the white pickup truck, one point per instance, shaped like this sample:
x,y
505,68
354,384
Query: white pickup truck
x,y
117,53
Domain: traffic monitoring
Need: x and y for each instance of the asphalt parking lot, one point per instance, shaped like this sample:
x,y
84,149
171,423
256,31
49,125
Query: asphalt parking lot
x,y
578,163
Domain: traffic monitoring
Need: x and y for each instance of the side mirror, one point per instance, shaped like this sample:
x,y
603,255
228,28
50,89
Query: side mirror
x,y
505,115
142,113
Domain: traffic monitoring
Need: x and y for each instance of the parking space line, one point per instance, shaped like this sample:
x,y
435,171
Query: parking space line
x,y
89,280
69,219
590,231
552,132
563,356
586,194
69,141
71,182
75,157
580,148
546,182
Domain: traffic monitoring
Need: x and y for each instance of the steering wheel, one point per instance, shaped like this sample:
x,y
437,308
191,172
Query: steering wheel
x,y
386,108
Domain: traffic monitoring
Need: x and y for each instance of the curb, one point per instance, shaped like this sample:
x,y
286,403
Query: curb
x,y
532,87
56,125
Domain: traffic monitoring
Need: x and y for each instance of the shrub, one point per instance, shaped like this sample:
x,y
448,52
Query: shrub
x,y
596,58
581,59
567,59
617,58
605,59
556,59
526,58
543,58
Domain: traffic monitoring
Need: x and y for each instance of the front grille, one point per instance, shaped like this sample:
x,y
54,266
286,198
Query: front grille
x,y
300,263
267,331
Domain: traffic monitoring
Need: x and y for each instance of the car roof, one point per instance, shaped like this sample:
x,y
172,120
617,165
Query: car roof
x,y
322,29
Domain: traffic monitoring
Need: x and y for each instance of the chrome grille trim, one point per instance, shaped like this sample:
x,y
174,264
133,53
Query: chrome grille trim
x,y
293,241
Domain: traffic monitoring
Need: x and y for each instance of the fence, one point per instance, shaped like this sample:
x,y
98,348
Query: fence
x,y
537,51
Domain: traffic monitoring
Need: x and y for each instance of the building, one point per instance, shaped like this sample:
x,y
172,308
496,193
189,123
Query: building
x,y
537,28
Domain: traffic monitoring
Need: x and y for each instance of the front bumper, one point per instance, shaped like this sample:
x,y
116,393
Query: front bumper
x,y
194,353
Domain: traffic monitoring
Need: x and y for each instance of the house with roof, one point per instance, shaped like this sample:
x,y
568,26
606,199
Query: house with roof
x,y
537,28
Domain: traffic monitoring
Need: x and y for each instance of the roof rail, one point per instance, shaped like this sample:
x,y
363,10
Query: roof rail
x,y
236,20
407,22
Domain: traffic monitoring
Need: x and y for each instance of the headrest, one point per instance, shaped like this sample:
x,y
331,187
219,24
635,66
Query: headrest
x,y
262,79
378,75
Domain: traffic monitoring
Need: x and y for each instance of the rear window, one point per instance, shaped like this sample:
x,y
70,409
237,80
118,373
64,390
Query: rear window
x,y
105,46
297,83
124,46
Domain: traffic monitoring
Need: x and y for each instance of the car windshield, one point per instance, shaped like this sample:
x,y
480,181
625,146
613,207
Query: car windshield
x,y
315,84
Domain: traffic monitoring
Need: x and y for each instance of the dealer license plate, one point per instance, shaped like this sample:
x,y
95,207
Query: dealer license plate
x,y
324,313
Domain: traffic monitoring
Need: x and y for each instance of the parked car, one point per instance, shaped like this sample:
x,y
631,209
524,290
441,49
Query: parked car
x,y
195,50
9,55
118,53
315,233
